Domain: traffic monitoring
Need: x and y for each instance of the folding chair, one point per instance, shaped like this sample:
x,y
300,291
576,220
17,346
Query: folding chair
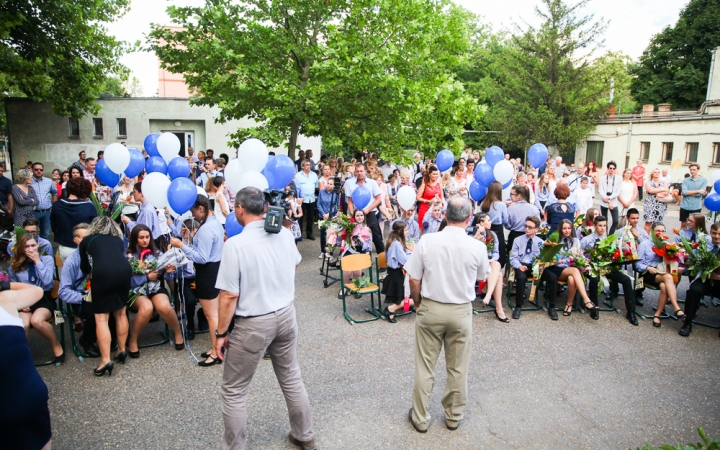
x,y
58,305
652,287
353,263
714,302
381,263
491,305
536,304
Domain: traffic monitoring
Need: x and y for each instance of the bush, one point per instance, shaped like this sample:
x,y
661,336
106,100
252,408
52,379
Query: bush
x,y
705,444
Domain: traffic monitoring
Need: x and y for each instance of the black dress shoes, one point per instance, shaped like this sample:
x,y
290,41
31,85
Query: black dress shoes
x,y
595,315
686,329
516,313
630,316
311,238
90,350
552,313
639,302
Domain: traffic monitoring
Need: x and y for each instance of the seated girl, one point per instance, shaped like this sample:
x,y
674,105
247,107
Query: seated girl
x,y
361,239
494,287
29,267
586,227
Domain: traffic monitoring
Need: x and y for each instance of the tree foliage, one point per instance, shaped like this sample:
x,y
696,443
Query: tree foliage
x,y
360,73
674,67
546,84
58,51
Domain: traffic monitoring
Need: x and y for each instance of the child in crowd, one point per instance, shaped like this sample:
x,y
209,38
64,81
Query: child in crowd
x,y
586,227
431,222
294,214
583,196
411,224
394,284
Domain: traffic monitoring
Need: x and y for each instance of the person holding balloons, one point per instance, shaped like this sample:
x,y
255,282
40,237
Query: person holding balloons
x,y
146,216
205,252
430,190
363,194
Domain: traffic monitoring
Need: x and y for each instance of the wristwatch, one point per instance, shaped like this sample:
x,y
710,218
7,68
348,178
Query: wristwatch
x,y
218,335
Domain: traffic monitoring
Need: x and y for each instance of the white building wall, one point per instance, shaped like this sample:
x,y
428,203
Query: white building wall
x,y
37,134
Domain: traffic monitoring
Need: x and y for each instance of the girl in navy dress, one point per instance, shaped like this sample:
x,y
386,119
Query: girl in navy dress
x,y
396,255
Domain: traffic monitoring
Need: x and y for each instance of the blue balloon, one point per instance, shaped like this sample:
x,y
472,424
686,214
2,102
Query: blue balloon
x,y
182,195
232,227
717,186
178,167
537,155
279,171
150,144
712,202
444,160
361,197
137,163
477,191
494,155
507,185
156,164
484,174
104,174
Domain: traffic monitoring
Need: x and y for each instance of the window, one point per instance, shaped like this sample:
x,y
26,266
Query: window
x,y
97,128
74,126
667,149
645,151
716,153
595,152
121,128
691,152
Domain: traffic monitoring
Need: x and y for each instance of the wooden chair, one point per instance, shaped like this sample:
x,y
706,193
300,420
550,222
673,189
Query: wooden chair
x,y
381,263
353,263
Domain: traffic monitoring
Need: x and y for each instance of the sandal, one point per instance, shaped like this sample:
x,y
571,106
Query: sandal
x,y
657,324
567,311
593,308
678,315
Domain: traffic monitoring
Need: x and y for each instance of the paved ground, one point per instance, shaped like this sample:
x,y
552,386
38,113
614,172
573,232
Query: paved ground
x,y
534,383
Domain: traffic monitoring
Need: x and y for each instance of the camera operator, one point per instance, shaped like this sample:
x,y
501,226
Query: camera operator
x,y
370,210
262,266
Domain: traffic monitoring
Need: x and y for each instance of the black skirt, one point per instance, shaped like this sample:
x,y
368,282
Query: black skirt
x,y
45,302
394,286
555,270
205,278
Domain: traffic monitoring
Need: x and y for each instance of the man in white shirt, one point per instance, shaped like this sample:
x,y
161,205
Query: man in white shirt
x,y
370,210
560,168
609,191
666,177
575,177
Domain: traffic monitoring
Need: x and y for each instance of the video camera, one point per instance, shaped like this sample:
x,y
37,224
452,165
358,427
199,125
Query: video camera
x,y
277,210
338,184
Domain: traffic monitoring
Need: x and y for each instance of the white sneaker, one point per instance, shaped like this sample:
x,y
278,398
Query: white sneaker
x,y
322,255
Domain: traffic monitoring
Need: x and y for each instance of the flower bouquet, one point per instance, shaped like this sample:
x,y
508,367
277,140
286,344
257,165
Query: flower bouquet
x,y
701,260
669,252
410,243
578,259
139,265
547,257
543,231
361,238
578,221
605,256
339,228
587,230
489,243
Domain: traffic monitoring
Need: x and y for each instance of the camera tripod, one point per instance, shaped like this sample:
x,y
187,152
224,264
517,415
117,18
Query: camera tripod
x,y
326,266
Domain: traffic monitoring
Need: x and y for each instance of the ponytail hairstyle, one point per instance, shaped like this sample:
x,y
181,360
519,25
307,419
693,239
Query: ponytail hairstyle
x,y
480,218
397,234
204,203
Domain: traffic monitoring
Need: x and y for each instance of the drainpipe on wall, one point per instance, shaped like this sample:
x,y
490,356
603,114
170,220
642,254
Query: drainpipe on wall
x,y
627,150
710,76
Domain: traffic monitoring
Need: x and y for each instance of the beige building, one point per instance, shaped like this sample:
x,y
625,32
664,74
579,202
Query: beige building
x,y
662,138
37,134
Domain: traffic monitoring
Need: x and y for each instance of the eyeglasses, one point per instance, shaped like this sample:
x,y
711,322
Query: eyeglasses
x,y
611,168
529,227
38,170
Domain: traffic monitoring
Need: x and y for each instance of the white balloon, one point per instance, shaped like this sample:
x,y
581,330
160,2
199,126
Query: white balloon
x,y
406,197
168,146
155,186
506,193
201,191
503,171
233,174
714,177
117,157
254,179
253,155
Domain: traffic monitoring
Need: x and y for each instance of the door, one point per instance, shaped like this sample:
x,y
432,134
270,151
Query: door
x,y
187,139
181,136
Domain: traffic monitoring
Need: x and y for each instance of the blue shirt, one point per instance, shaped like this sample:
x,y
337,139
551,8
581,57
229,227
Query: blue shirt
x,y
207,245
307,184
518,213
203,179
412,227
431,225
44,189
692,202
71,280
44,271
646,257
324,203
569,244
396,256
519,256
498,213
148,217
691,236
591,241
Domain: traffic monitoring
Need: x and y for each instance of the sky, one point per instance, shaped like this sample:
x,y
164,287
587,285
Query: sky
x,y
632,23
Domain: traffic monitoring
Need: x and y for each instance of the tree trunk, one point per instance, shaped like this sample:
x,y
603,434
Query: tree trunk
x,y
292,144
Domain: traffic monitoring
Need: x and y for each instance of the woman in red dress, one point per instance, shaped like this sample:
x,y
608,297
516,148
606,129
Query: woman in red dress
x,y
430,190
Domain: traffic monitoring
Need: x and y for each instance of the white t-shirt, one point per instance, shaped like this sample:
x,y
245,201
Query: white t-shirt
x,y
351,185
667,179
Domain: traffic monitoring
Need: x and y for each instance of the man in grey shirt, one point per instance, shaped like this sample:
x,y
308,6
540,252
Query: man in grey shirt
x,y
443,269
262,266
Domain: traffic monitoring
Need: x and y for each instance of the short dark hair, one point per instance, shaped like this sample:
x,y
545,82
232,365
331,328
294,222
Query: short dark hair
x,y
137,187
79,187
32,222
632,211
600,219
715,226
251,199
209,158
90,159
225,157
100,153
81,152
656,224
533,219
611,163
208,151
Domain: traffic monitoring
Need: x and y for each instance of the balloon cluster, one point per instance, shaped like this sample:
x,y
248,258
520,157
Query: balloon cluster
x,y
712,201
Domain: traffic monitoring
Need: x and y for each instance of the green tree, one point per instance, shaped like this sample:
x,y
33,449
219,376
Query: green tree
x,y
58,51
362,74
674,67
545,85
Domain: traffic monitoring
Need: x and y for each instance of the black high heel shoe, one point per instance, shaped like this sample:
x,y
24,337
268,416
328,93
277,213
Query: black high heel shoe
x,y
387,313
121,357
134,355
180,346
212,362
505,320
60,359
106,368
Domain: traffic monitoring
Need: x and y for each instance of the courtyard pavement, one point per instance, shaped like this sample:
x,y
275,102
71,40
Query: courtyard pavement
x,y
534,383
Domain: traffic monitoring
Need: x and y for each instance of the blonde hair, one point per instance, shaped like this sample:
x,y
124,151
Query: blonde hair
x,y
104,225
21,177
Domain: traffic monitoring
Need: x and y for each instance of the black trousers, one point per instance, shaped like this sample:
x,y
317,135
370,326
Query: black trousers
x,y
372,222
614,213
308,217
696,292
640,191
190,301
620,278
511,238
502,248
89,335
522,277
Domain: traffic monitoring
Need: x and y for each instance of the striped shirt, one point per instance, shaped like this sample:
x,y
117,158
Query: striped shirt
x,y
207,245
45,189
